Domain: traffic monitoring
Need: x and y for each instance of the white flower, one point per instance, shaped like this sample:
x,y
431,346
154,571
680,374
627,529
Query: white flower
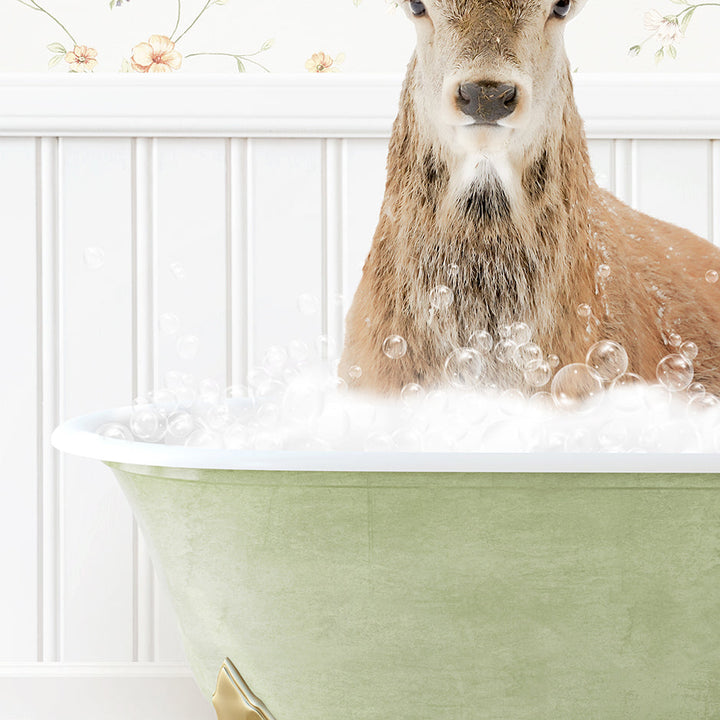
x,y
667,29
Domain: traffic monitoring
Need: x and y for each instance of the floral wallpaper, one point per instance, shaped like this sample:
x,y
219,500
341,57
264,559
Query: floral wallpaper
x,y
318,36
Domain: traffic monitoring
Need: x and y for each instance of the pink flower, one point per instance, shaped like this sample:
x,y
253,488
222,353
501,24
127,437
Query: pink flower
x,y
158,54
322,62
81,58
667,29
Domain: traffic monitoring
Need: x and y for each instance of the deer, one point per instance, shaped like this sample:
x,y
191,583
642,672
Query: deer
x,y
490,195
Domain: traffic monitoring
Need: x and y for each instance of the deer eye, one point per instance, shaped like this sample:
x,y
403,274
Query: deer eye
x,y
417,8
562,8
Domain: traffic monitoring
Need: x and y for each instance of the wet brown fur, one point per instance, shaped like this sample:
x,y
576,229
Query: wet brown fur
x,y
538,268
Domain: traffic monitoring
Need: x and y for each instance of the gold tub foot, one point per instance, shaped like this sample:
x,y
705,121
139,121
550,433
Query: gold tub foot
x,y
233,699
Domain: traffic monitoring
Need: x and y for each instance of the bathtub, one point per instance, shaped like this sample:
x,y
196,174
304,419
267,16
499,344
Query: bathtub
x,y
409,586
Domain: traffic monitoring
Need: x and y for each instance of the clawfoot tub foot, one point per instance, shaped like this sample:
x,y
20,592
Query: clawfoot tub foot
x,y
233,699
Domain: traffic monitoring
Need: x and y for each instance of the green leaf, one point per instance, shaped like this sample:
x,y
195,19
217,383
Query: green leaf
x,y
634,50
686,20
54,60
56,48
268,44
240,65
673,51
659,55
679,2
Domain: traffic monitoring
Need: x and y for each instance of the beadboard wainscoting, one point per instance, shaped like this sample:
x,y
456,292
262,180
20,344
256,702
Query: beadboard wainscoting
x,y
218,200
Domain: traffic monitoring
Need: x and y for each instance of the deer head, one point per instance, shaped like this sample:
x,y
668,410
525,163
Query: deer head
x,y
490,81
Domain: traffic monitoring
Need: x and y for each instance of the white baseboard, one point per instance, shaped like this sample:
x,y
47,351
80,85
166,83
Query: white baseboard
x,y
107,691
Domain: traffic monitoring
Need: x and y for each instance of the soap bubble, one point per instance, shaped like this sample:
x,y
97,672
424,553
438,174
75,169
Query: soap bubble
x,y
209,391
187,346
520,333
674,339
146,422
576,387
608,359
505,351
218,417
412,395
165,401
173,379
539,375
354,372
202,438
528,356
299,351
675,372
308,304
237,437
464,368
180,425
504,332
453,270
584,310
303,400
481,341
706,401
94,258
695,389
115,431
603,272
394,347
441,297
275,359
553,361
334,423
711,276
177,270
406,440
169,323
689,350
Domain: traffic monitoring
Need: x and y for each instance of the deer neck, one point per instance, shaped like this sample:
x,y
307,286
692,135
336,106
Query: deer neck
x,y
511,241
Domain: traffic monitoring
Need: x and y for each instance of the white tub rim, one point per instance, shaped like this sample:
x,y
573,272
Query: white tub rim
x,y
77,436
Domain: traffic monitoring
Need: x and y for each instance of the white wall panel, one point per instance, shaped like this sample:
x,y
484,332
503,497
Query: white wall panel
x,y
287,241
20,439
673,182
96,349
602,160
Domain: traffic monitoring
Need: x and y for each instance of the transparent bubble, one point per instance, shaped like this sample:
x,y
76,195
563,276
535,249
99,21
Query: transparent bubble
x,y
608,359
275,359
584,310
94,258
553,361
482,341
539,375
528,356
185,396
706,401
115,431
238,437
299,351
187,346
169,323
604,272
145,422
394,347
711,276
308,304
177,270
628,385
504,331
180,425
441,297
464,368
521,333
257,377
695,389
576,387
165,401
675,372
675,339
218,417
203,438
689,350
303,400
173,379
435,402
209,391
542,399
412,395
505,350
354,372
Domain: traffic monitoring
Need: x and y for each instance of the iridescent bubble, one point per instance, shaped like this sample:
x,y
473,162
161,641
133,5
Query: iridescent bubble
x,y
412,395
584,310
689,350
169,323
675,372
520,333
441,297
608,359
603,272
576,387
115,431
354,372
711,276
464,368
539,375
505,351
187,346
482,341
308,304
394,347
180,425
177,270
94,258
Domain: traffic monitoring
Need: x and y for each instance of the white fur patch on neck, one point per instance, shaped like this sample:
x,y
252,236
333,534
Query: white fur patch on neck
x,y
482,167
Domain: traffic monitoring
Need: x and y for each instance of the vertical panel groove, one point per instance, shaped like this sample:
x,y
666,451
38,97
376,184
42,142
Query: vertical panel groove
x,y
238,270
248,257
49,526
39,410
714,192
144,358
624,159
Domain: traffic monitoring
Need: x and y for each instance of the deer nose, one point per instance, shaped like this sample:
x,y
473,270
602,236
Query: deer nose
x,y
487,102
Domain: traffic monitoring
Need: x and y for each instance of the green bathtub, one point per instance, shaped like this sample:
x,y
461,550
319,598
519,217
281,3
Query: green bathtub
x,y
436,587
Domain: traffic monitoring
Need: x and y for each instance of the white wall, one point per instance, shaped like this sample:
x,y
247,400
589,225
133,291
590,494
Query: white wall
x,y
371,39
258,206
